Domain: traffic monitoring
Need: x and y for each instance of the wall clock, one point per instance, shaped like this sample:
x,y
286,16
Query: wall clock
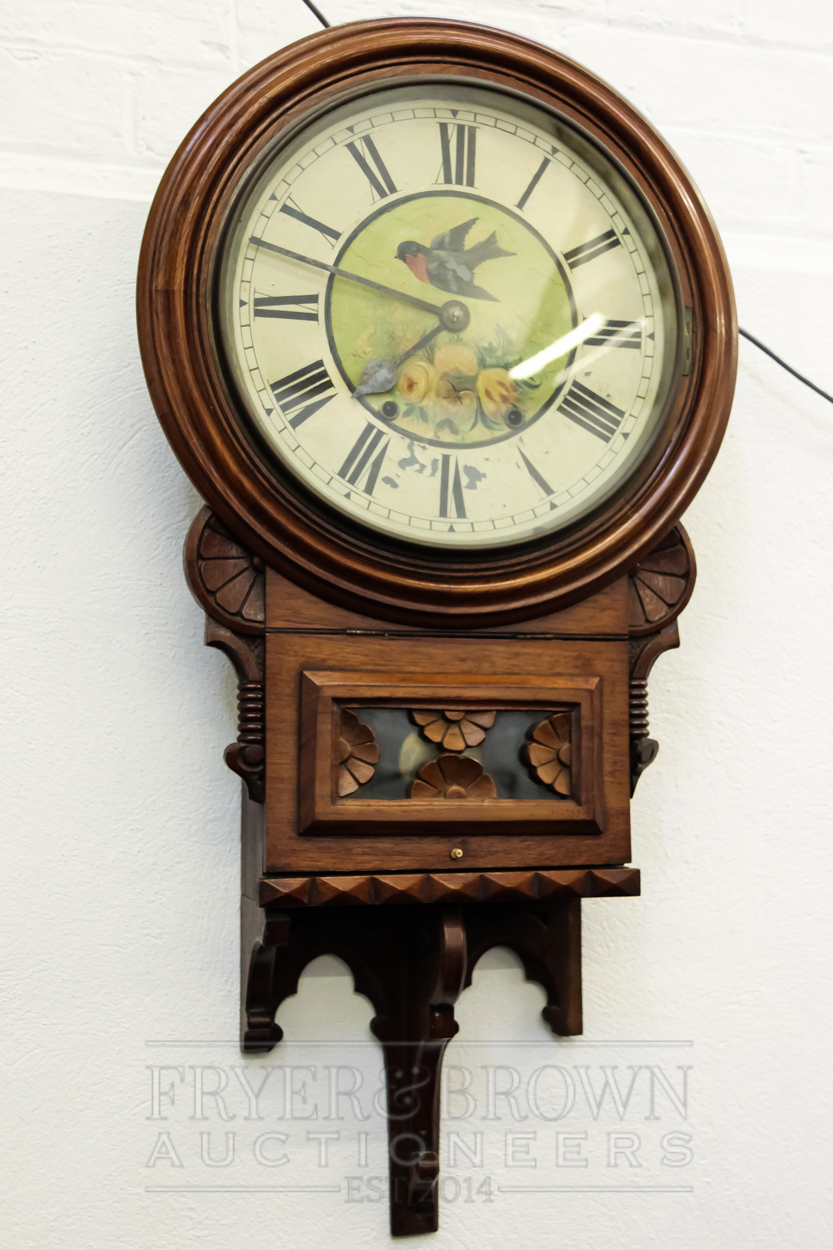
x,y
444,335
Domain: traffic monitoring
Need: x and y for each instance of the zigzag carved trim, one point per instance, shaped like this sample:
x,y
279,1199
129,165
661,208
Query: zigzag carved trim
x,y
438,887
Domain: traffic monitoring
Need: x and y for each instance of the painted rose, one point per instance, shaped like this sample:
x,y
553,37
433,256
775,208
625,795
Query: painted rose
x,y
417,381
497,392
456,403
456,358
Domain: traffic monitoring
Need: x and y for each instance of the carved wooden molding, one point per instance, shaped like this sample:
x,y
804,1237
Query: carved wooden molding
x,y
453,777
438,887
453,730
658,589
246,756
450,793
549,754
644,652
228,582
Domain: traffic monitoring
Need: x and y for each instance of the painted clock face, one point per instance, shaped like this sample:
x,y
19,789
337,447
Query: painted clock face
x,y
450,316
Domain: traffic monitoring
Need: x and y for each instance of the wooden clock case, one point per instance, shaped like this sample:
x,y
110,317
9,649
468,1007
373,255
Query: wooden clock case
x,y
327,624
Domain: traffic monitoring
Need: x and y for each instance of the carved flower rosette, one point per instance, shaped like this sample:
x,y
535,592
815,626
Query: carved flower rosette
x,y
453,777
454,730
549,754
358,754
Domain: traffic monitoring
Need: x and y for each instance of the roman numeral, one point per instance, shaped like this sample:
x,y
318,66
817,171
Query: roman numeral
x,y
361,458
301,390
589,251
380,180
538,478
332,236
591,412
536,178
458,145
273,306
617,334
452,503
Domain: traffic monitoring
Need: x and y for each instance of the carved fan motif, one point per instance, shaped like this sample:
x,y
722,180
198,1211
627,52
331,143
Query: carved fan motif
x,y
550,753
453,777
660,585
357,754
455,730
227,579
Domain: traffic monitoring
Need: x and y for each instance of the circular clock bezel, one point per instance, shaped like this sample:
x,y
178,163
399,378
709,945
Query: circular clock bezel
x,y
200,413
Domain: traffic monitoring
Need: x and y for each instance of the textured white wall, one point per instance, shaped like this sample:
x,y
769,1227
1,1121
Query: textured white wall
x,y
120,824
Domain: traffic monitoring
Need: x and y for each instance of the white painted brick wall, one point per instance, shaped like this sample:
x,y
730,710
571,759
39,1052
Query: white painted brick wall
x,y
120,824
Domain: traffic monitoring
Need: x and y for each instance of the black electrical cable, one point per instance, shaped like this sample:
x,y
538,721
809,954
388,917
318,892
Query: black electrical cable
x,y
322,19
784,365
761,346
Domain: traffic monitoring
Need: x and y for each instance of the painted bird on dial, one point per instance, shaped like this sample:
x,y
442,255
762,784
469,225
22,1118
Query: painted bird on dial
x,y
448,264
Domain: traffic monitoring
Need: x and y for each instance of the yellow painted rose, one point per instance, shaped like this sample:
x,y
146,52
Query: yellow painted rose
x,y
497,392
456,358
417,381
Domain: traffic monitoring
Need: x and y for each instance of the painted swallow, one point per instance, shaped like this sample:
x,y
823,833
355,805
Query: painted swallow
x,y
448,264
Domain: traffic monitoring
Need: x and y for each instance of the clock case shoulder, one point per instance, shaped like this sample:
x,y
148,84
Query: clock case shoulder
x,y
229,583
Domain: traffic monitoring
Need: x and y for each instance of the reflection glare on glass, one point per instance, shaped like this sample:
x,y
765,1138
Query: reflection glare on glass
x,y
617,338
560,347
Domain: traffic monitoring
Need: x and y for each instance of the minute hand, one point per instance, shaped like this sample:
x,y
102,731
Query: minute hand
x,y
425,304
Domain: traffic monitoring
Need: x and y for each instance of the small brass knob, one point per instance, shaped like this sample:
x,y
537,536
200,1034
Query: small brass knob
x,y
457,852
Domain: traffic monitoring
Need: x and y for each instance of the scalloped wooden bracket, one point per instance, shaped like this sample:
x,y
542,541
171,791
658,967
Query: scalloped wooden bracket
x,y
229,583
412,964
658,589
411,967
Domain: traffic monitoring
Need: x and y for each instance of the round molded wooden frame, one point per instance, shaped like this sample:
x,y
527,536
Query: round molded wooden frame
x,y
272,514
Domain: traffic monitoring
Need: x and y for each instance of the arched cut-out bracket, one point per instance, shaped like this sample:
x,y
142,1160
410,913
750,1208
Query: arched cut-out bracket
x,y
412,963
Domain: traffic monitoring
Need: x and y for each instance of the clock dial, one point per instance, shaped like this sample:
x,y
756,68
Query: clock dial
x,y
450,316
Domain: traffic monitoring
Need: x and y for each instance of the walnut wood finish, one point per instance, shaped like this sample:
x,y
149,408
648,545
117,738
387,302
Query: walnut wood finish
x,y
229,583
455,730
294,609
449,887
470,804
550,753
453,778
246,756
223,575
201,416
412,965
658,590
412,940
295,593
309,830
358,754
661,584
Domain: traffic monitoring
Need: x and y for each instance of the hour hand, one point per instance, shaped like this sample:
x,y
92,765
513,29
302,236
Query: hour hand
x,y
380,375
377,377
